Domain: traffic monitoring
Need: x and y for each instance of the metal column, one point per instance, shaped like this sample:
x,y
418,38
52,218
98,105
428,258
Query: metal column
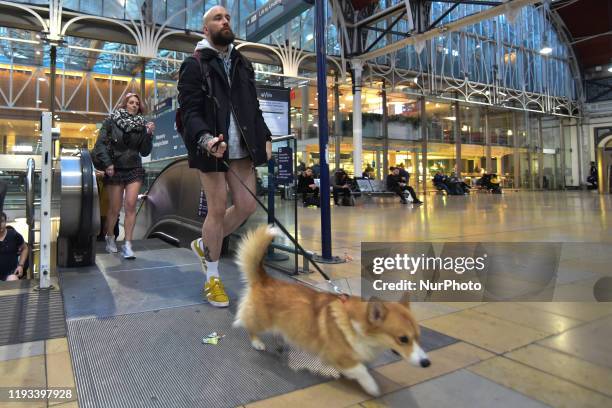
x,y
357,66
579,136
337,123
52,75
385,130
143,81
515,156
540,150
562,149
326,243
488,161
424,147
457,131
46,182
305,110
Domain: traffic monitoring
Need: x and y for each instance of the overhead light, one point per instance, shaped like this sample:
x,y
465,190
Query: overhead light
x,y
38,101
546,50
22,148
451,118
610,69
37,52
416,80
41,79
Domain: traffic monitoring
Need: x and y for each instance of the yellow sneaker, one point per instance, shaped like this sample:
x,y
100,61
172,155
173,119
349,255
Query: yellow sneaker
x,y
215,294
196,247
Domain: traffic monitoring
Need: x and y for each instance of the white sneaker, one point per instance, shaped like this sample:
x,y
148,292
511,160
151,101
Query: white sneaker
x,y
126,250
111,247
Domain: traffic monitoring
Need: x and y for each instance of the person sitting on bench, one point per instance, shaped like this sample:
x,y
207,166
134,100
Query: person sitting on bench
x,y
396,184
308,188
491,183
439,182
342,189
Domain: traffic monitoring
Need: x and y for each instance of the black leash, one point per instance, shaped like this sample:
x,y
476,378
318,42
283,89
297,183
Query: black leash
x,y
335,288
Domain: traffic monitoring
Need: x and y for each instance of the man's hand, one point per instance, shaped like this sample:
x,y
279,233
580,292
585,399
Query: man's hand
x,y
269,150
219,150
313,186
110,170
18,271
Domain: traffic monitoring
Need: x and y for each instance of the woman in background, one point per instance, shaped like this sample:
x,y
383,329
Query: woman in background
x,y
123,139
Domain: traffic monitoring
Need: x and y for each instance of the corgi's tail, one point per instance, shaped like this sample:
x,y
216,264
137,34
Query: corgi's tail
x,y
251,251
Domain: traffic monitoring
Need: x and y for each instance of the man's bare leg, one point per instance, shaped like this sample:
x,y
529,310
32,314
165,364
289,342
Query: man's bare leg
x,y
209,247
243,203
215,189
214,185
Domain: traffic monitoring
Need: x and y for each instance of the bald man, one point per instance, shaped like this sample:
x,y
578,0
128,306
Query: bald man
x,y
223,126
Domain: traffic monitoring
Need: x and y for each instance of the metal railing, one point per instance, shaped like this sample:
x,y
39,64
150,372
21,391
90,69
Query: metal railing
x,y
30,214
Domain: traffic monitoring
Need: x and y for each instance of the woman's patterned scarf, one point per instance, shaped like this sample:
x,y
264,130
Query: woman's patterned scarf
x,y
127,122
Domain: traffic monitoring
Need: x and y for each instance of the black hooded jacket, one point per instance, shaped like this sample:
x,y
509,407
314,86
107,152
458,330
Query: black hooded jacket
x,y
200,115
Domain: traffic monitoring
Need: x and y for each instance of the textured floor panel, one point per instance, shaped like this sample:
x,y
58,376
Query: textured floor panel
x,y
158,278
31,316
157,359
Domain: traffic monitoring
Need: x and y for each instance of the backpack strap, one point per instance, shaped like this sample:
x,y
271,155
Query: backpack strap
x,y
207,83
205,72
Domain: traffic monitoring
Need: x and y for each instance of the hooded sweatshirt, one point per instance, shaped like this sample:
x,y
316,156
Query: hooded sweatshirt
x,y
237,149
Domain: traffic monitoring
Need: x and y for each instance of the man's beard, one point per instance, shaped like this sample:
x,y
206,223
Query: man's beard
x,y
223,37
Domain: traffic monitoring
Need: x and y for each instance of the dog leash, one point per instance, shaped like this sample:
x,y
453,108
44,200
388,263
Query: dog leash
x,y
343,296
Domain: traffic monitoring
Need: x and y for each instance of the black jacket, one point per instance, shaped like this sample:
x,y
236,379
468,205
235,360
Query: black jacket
x,y
393,182
340,179
199,115
121,149
304,182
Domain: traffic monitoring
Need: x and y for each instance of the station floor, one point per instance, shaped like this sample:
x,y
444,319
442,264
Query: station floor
x,y
529,354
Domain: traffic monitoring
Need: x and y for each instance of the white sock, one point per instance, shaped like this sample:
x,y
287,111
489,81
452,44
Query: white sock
x,y
212,270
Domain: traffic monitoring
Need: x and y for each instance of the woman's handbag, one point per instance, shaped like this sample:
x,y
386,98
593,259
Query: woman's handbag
x,y
97,153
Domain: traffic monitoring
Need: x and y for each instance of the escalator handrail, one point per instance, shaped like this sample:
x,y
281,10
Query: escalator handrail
x,y
30,218
87,195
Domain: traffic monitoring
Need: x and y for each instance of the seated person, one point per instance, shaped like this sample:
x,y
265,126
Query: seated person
x,y
13,252
368,172
491,183
396,184
403,173
341,188
308,188
439,182
459,186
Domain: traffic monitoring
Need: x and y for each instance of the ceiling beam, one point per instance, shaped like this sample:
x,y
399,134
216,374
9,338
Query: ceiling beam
x,y
450,27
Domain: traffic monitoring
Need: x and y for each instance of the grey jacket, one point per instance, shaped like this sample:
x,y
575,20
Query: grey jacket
x,y
123,150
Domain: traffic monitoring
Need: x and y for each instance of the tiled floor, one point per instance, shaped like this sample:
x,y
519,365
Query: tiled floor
x,y
528,354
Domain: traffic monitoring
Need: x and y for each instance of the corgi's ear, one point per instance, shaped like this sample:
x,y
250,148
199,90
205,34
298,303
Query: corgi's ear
x,y
377,312
405,300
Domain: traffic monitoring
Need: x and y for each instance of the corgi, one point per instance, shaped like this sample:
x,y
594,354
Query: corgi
x,y
344,332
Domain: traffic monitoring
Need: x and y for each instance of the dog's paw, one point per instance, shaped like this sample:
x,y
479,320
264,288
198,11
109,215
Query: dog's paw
x,y
372,388
258,345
